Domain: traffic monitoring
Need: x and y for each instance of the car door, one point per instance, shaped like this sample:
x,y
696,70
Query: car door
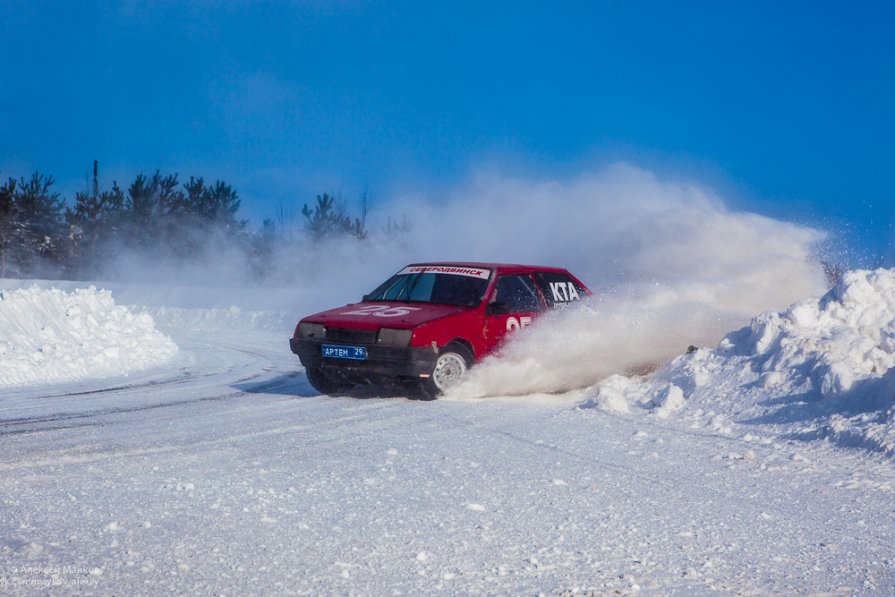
x,y
514,304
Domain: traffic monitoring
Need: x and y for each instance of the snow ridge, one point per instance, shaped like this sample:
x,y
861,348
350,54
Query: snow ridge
x,y
822,368
48,335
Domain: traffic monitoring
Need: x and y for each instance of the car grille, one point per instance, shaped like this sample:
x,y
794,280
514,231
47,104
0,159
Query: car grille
x,y
349,335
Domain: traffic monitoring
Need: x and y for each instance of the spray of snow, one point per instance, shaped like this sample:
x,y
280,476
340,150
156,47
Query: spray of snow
x,y
670,264
821,368
48,335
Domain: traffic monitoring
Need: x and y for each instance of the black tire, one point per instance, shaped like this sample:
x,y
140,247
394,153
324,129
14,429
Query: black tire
x,y
320,382
450,367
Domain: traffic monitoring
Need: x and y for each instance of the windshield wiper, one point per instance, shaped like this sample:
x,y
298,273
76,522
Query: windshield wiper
x,y
418,277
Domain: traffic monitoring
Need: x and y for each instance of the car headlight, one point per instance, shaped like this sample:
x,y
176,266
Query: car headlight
x,y
311,330
394,337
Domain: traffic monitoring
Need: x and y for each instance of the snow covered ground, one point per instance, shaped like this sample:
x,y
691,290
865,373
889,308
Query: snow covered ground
x,y
220,471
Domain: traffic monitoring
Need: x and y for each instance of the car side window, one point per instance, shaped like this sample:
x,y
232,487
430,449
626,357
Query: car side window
x,y
518,293
558,289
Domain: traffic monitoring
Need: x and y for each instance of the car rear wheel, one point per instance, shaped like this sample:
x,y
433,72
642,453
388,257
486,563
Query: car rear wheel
x,y
450,367
320,382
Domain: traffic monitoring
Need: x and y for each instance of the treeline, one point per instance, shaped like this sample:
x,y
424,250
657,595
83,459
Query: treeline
x,y
43,235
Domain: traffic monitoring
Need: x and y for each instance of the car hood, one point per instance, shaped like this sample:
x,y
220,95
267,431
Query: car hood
x,y
377,314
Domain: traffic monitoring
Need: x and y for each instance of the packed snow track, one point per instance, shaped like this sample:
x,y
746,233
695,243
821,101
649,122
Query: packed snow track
x,y
225,473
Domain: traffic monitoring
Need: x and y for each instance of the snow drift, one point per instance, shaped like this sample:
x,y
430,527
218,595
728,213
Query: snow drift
x,y
821,368
49,335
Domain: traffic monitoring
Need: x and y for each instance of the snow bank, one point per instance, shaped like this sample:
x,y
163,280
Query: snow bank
x,y
49,335
821,368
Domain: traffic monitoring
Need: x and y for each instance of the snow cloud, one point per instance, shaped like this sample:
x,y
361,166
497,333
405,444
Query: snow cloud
x,y
670,264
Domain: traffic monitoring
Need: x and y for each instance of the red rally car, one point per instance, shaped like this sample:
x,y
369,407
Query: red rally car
x,y
427,324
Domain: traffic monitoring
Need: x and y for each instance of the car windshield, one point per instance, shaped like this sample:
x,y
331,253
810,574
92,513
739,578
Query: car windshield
x,y
432,287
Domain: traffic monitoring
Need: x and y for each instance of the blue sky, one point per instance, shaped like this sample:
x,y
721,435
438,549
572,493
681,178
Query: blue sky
x,y
786,108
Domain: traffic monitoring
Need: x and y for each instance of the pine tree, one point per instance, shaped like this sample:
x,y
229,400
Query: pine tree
x,y
9,227
94,226
329,220
216,205
149,205
38,214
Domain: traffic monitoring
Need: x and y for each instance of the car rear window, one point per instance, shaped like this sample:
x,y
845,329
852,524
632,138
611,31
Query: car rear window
x,y
559,289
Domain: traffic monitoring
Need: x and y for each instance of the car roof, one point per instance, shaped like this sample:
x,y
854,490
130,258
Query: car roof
x,y
503,267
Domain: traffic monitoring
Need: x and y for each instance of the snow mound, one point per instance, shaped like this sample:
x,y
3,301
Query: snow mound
x,y
822,368
49,335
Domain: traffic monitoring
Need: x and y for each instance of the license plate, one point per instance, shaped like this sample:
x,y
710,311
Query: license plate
x,y
356,353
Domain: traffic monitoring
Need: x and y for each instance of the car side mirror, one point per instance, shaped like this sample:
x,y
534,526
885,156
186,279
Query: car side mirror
x,y
496,309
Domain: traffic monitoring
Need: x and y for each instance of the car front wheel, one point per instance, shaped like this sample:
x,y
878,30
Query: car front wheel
x,y
450,367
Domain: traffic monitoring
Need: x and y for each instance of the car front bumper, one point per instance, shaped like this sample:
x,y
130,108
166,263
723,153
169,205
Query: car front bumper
x,y
382,363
